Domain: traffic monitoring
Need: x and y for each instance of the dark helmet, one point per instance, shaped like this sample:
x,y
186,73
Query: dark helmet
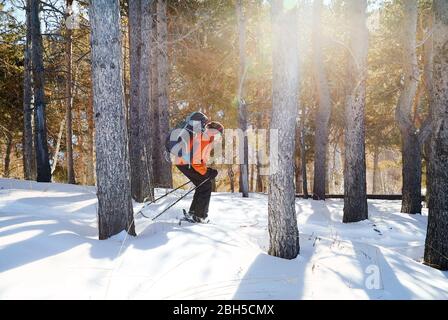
x,y
215,125
198,116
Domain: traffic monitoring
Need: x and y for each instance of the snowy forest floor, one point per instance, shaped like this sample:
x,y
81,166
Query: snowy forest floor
x,y
49,250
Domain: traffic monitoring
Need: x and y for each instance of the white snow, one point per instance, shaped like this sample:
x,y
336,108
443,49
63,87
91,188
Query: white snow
x,y
49,250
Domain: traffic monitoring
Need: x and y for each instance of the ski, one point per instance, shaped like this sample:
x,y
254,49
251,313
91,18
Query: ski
x,y
186,220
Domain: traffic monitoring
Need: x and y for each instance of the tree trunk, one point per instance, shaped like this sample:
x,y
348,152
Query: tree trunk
x,y
8,154
259,182
411,169
298,162
146,110
155,136
303,154
115,212
29,159
80,144
252,178
165,173
376,182
323,110
90,171
140,33
282,221
242,107
412,174
40,126
231,175
125,50
355,195
427,152
58,147
135,47
436,246
69,98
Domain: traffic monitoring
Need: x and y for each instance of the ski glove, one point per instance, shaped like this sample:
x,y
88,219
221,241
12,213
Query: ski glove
x,y
212,173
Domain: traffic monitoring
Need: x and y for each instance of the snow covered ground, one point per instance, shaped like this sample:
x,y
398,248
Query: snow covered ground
x,y
49,250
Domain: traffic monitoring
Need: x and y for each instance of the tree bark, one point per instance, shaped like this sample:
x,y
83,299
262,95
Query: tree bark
x,y
40,126
259,182
165,173
115,212
140,110
412,174
146,110
8,150
69,97
298,161
155,136
90,171
282,221
324,107
135,47
80,144
355,195
252,178
242,106
58,147
302,133
375,179
411,148
29,159
231,176
436,246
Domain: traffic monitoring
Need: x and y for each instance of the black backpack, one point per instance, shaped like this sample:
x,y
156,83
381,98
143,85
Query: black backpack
x,y
175,136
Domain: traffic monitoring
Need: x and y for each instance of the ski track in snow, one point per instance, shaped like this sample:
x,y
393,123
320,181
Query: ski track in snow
x,y
49,249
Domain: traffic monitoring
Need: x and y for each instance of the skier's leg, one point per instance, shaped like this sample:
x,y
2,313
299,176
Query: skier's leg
x,y
201,197
194,177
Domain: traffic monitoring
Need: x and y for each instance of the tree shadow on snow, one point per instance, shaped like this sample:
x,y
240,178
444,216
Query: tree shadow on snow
x,y
39,239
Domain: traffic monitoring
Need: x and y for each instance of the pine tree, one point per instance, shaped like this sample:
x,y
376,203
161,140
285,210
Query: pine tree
x,y
436,246
283,231
355,194
40,124
115,212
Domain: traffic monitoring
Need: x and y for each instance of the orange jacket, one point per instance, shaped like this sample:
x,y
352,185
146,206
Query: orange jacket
x,y
200,146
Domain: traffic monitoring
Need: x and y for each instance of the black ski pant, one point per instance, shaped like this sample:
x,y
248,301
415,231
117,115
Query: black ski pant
x,y
201,198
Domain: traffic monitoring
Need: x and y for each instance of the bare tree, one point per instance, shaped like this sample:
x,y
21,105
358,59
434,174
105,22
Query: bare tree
x,y
135,44
7,160
355,196
436,246
302,150
155,135
40,126
140,33
324,107
165,173
375,175
412,137
115,212
411,169
283,231
146,109
29,160
69,94
90,170
242,106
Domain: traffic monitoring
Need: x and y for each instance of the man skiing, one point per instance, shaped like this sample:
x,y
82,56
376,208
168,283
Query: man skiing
x,y
191,144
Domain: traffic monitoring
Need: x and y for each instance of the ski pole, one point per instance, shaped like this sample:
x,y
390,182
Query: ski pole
x,y
155,200
172,205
